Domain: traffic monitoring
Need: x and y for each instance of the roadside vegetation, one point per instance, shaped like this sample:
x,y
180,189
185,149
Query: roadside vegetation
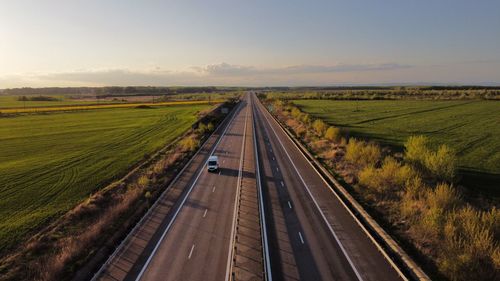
x,y
99,215
414,193
469,128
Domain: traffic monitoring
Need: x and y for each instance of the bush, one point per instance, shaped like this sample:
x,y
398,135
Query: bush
x,y
415,189
443,197
332,134
319,127
210,127
202,128
442,163
296,113
469,248
305,118
189,144
416,149
143,181
361,153
391,175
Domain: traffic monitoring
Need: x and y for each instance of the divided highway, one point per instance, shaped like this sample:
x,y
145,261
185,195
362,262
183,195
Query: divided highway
x,y
265,215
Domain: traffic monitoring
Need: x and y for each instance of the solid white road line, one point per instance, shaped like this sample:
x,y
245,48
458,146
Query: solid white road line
x,y
191,252
205,214
301,239
358,275
150,258
289,205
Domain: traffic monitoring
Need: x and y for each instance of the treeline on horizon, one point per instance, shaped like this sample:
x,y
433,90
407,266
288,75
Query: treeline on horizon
x,y
111,91
390,93
333,92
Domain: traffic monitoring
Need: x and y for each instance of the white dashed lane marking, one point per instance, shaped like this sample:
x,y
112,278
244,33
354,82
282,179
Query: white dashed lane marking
x,y
191,252
301,239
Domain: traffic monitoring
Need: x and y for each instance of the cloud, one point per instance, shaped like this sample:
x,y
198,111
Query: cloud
x,y
229,69
213,74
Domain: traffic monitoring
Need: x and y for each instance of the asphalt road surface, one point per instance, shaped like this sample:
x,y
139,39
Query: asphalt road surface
x,y
193,232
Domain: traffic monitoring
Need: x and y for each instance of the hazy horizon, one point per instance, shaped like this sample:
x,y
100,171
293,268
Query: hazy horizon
x,y
255,43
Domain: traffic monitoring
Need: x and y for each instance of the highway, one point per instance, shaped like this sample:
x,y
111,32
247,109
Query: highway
x,y
265,215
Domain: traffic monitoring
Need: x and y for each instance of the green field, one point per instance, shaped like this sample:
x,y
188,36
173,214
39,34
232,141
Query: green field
x,y
13,102
50,162
471,128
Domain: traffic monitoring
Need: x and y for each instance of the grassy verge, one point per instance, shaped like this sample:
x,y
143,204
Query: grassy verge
x,y
412,194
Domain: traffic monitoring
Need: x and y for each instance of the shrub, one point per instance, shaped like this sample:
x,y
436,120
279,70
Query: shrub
x,y
391,175
443,197
189,144
431,223
147,195
332,134
442,163
368,177
415,189
306,118
143,181
202,128
468,251
361,153
416,150
296,113
210,126
319,127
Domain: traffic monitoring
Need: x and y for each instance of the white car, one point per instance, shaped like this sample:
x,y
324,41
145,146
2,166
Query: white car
x,y
213,163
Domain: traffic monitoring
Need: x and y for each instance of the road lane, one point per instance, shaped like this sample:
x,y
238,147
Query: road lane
x,y
197,247
317,220
310,233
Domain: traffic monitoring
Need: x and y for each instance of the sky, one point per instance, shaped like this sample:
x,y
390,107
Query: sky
x,y
248,43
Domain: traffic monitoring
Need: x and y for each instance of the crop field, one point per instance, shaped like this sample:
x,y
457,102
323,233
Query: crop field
x,y
13,102
469,127
50,162
99,106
